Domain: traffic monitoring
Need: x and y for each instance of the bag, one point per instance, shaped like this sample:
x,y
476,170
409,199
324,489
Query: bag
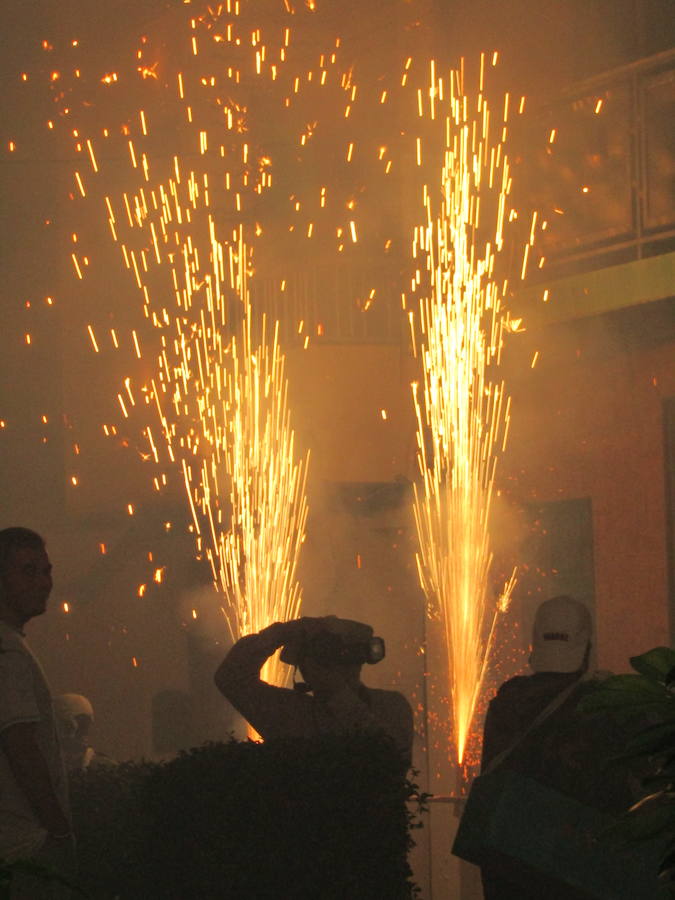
x,y
552,845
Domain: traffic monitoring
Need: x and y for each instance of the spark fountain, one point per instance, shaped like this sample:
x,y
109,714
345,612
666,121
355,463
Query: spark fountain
x,y
255,560
221,395
211,367
462,411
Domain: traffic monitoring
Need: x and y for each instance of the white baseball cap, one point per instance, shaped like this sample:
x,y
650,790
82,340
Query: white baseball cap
x,y
561,635
68,706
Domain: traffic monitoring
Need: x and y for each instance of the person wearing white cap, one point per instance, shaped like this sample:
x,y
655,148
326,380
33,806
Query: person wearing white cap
x,y
561,645
74,720
561,639
532,725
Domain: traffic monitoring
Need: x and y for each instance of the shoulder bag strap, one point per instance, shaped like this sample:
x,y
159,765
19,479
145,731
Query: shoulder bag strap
x,y
557,701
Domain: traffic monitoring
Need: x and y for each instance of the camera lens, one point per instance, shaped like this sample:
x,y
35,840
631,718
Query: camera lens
x,y
375,650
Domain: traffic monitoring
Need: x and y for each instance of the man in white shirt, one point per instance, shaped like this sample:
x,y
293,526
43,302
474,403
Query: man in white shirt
x,y
330,653
34,816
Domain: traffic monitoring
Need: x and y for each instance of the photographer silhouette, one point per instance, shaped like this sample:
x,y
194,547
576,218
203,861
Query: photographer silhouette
x,y
329,652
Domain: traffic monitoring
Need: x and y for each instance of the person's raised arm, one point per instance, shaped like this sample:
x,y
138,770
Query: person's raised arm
x,y
243,663
272,711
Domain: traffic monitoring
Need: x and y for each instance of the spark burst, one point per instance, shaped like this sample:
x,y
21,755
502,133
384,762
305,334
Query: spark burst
x,y
255,560
462,414
222,398
221,395
216,376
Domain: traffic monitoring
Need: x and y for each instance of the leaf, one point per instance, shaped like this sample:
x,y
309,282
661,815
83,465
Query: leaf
x,y
628,693
655,664
652,822
658,738
662,781
630,684
668,861
658,800
653,816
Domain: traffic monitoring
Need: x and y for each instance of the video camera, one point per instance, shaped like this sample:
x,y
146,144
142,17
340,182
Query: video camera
x,y
333,641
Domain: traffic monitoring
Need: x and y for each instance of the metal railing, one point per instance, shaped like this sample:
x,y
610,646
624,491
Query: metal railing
x,y
606,172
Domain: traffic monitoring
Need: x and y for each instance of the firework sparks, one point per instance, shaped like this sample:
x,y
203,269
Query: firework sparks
x,y
255,560
221,395
188,151
204,363
462,415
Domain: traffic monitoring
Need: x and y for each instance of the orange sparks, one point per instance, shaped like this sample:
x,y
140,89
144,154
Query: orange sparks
x,y
461,321
92,337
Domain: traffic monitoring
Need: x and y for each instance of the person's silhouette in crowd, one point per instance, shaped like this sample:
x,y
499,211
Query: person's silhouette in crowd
x,y
74,721
34,812
533,726
330,653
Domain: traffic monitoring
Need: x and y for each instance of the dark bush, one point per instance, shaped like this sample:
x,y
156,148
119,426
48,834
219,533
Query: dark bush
x,y
323,818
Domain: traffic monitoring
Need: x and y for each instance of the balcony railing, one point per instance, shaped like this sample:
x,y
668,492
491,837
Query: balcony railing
x,y
606,171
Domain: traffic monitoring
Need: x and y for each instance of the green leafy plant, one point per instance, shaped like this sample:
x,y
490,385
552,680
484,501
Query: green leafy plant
x,y
38,873
645,703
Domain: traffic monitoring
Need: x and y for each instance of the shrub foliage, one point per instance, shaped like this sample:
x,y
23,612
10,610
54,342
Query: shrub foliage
x,y
648,699
327,817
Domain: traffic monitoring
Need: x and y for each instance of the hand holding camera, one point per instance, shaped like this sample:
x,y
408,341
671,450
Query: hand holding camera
x,y
330,641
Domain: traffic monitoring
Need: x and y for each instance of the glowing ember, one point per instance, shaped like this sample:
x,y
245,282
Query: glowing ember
x,y
462,415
